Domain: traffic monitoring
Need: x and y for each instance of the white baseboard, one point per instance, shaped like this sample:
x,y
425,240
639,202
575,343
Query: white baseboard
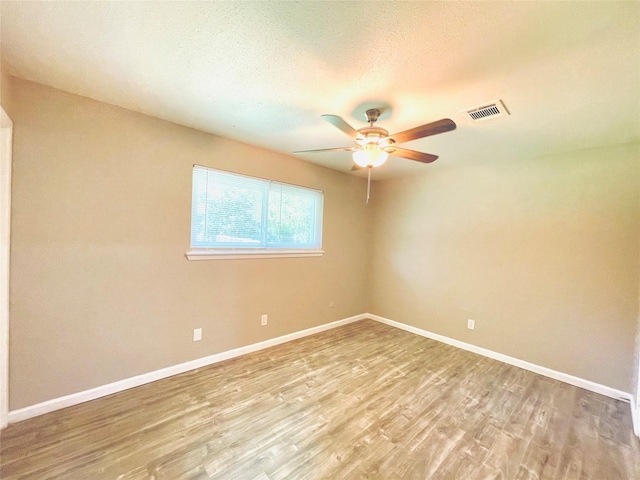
x,y
532,367
119,386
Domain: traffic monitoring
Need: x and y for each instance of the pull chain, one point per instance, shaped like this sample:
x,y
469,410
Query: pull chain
x,y
368,182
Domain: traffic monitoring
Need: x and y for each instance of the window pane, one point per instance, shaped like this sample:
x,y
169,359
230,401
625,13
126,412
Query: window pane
x,y
198,206
235,211
291,216
234,214
275,215
226,209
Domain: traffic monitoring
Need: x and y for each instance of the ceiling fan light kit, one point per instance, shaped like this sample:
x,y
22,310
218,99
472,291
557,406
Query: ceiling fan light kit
x,y
370,156
373,145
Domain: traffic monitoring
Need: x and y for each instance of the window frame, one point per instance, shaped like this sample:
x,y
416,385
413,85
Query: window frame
x,y
200,252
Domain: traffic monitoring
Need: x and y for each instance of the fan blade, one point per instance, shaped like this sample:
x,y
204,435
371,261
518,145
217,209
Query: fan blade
x,y
338,149
356,167
412,155
338,122
434,128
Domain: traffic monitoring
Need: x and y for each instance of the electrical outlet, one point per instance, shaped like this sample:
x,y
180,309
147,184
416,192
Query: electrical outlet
x,y
197,334
471,324
332,305
263,321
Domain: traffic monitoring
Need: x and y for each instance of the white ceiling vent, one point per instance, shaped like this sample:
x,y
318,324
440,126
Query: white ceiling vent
x,y
487,111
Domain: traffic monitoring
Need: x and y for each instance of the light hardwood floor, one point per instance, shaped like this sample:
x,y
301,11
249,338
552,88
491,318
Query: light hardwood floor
x,y
360,401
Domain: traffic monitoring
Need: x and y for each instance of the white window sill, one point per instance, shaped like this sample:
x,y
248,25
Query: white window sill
x,y
235,254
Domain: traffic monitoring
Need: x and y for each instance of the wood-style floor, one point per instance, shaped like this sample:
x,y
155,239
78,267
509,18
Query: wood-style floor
x,y
360,401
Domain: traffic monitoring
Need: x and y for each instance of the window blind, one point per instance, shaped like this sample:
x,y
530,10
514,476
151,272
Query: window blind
x,y
231,211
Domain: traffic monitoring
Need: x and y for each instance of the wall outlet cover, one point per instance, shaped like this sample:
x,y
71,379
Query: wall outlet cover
x,y
197,334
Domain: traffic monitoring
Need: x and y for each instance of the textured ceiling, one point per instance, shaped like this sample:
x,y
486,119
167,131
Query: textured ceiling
x,y
264,72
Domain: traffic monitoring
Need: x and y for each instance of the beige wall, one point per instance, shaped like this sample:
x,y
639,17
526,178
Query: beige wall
x,y
101,290
542,253
5,87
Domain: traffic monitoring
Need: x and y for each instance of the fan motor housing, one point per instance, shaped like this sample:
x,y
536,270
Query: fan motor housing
x,y
373,131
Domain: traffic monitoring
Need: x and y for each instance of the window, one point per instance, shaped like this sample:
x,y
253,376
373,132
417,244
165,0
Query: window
x,y
238,216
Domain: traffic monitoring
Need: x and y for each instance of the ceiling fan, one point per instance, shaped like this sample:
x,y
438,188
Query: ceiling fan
x,y
373,145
